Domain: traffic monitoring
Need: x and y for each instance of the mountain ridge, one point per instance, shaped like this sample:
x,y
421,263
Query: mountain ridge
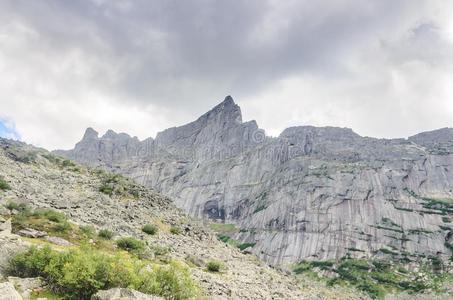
x,y
311,192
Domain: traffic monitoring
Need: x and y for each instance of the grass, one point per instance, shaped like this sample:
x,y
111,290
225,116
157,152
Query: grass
x,y
175,230
150,229
117,185
105,234
130,244
214,266
48,220
223,228
80,273
4,186
246,245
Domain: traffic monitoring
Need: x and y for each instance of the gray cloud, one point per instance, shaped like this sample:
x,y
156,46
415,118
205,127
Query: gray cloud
x,y
380,67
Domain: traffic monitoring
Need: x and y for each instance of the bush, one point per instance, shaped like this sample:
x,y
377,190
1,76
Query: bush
x,y
214,266
51,215
106,189
63,227
150,229
105,234
175,230
78,274
88,231
130,244
4,185
21,207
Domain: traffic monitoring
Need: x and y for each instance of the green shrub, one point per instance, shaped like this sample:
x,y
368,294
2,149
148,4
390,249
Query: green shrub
x,y
106,189
31,263
246,245
88,230
21,207
105,234
63,227
51,215
79,273
68,163
130,244
214,266
150,229
4,185
175,230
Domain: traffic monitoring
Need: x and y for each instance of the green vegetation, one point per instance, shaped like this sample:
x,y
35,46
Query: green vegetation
x,y
88,230
21,207
150,229
376,278
223,228
130,244
214,266
105,234
62,163
115,184
21,154
246,245
175,230
45,219
79,273
4,185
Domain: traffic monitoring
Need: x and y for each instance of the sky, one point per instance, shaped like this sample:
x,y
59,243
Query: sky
x,y
381,67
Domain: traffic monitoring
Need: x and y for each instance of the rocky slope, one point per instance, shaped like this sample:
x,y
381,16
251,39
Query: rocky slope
x,y
317,193
34,177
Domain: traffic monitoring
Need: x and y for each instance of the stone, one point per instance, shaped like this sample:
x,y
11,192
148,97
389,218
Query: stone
x,y
122,294
59,241
25,286
32,233
9,246
5,227
8,292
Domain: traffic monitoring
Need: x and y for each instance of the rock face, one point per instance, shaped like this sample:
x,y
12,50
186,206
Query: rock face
x,y
8,292
45,181
122,294
312,192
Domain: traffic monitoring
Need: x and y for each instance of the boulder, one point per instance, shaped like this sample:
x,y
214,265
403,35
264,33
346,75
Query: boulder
x,y
9,246
58,241
25,286
122,294
8,292
32,233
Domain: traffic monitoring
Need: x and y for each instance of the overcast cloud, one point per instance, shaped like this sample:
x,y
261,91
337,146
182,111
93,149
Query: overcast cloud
x,y
382,68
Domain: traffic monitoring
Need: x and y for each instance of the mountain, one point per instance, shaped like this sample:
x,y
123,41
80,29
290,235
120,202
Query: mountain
x,y
74,210
314,193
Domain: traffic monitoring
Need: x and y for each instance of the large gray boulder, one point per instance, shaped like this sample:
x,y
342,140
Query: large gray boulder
x,y
122,294
8,292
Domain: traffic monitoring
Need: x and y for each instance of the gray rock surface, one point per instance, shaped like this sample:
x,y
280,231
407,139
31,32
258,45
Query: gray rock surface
x,y
32,233
122,294
58,241
312,192
8,292
25,286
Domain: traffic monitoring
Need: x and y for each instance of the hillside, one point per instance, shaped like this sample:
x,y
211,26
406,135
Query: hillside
x,y
76,207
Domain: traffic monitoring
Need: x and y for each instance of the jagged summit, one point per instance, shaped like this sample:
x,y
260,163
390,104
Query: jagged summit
x,y
90,133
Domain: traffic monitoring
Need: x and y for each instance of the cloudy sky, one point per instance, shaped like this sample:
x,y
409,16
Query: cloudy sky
x,y
382,67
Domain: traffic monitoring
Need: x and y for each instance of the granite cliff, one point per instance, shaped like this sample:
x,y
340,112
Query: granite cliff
x,y
310,193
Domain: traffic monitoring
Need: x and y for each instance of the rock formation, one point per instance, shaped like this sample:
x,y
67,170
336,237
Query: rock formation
x,y
312,192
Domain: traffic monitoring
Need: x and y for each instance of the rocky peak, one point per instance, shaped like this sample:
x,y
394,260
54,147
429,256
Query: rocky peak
x,y
227,111
90,134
